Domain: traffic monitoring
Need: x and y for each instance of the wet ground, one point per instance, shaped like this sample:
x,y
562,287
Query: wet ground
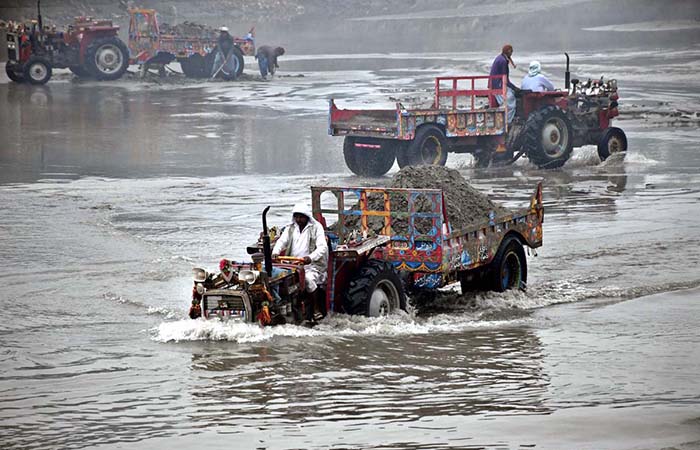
x,y
111,192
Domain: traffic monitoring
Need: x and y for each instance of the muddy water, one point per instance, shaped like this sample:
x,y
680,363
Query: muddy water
x,y
111,192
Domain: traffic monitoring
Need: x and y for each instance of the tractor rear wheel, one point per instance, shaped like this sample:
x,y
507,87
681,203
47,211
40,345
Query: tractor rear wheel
x,y
548,139
14,73
369,157
429,147
612,141
107,58
37,70
508,270
375,290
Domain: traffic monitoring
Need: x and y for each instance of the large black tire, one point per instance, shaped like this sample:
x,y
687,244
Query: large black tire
x,y
429,147
375,290
37,70
612,141
508,270
238,64
107,58
80,71
194,66
14,73
548,139
366,161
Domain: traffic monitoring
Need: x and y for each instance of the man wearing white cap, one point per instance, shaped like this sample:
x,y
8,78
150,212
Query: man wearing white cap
x,y
534,81
222,59
305,238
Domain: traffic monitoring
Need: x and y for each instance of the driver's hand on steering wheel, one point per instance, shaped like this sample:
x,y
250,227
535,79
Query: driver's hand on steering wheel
x,y
307,260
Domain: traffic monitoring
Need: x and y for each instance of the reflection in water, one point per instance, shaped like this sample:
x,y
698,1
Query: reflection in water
x,y
375,379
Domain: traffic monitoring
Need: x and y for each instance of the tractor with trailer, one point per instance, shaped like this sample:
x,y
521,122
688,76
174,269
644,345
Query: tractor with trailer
x,y
155,45
89,48
464,118
417,249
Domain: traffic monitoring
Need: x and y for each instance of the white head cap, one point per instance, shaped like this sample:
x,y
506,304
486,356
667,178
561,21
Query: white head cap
x,y
223,29
302,208
535,68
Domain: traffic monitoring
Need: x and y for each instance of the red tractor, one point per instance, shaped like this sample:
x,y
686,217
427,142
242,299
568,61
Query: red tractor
x,y
89,48
462,119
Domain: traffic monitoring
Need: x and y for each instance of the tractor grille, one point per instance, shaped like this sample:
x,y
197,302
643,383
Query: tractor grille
x,y
224,304
12,47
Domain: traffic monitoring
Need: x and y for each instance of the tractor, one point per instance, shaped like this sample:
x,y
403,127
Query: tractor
x,y
89,48
463,118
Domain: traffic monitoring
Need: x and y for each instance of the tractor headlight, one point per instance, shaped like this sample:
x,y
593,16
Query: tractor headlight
x,y
200,288
249,276
200,275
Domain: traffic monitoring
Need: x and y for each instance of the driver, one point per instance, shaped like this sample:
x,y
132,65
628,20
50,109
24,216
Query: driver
x,y
305,238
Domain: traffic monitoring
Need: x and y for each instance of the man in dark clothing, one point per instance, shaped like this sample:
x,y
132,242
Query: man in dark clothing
x,y
223,53
267,59
500,67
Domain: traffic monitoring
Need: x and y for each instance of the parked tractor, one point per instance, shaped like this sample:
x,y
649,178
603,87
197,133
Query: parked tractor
x,y
369,274
464,119
192,46
89,48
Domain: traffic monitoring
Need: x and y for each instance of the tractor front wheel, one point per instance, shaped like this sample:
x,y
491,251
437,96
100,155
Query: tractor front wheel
x,y
368,157
375,291
14,73
107,58
548,138
429,147
37,70
612,141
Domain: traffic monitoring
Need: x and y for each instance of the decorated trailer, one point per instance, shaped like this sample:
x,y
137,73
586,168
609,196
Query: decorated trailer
x,y
385,243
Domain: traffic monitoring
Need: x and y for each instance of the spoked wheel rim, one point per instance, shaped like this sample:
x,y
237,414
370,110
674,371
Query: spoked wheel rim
x,y
431,151
384,299
511,272
555,137
38,71
108,59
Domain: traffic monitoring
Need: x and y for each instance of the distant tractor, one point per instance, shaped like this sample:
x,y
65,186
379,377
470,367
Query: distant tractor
x,y
154,45
89,48
464,118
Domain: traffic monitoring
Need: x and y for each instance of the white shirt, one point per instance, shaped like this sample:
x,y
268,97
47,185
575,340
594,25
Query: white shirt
x,y
300,243
538,83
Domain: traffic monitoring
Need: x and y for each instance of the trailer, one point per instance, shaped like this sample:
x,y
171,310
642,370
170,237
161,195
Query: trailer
x,y
152,45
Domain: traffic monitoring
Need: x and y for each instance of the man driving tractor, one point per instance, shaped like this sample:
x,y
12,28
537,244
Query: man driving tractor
x,y
305,238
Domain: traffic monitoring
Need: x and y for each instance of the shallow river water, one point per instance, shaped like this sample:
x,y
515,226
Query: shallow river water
x,y
111,192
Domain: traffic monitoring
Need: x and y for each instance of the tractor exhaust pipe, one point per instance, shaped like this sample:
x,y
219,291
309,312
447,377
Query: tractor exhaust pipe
x,y
267,251
38,16
567,74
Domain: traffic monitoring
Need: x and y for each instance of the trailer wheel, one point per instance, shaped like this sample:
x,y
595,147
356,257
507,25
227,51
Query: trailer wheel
x,y
193,66
612,141
508,270
107,58
548,137
375,290
79,71
429,147
14,72
368,157
37,70
238,63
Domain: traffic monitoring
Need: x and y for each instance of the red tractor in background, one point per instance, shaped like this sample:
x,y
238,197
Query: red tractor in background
x,y
462,119
89,48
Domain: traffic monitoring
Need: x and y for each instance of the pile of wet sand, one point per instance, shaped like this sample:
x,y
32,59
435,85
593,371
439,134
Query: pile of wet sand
x,y
466,206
